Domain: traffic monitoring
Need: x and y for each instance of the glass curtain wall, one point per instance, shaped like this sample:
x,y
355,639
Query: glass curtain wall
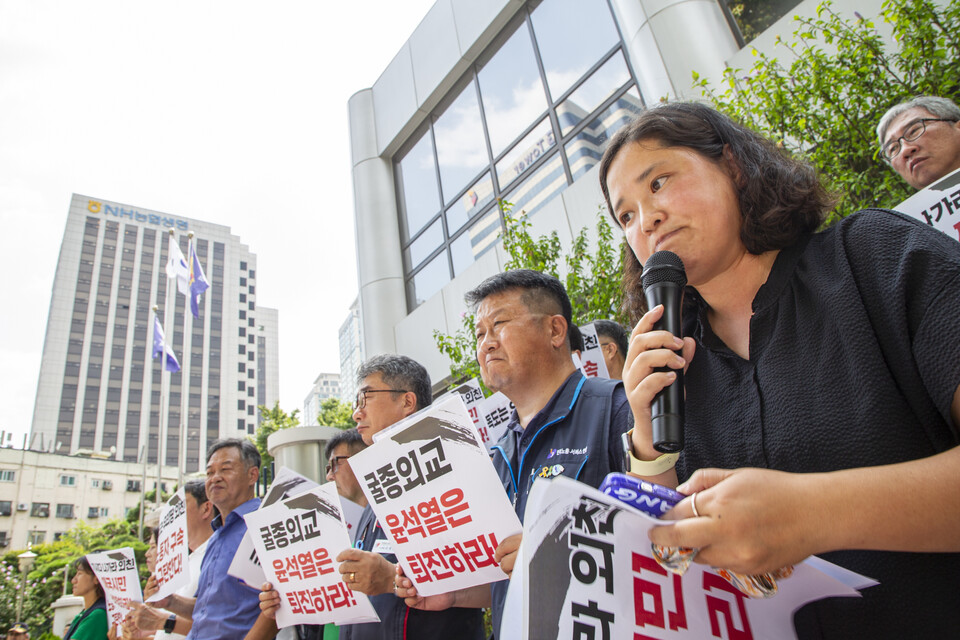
x,y
530,118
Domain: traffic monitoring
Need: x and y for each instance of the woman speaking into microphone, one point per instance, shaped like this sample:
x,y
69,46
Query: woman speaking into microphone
x,y
821,371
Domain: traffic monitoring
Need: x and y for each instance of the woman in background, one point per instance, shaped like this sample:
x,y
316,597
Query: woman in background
x,y
91,623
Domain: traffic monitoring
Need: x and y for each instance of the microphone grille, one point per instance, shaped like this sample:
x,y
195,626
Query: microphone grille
x,y
663,266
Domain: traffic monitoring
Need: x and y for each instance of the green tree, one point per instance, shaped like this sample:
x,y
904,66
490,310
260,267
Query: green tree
x,y
271,421
45,580
133,516
334,412
839,77
754,16
590,273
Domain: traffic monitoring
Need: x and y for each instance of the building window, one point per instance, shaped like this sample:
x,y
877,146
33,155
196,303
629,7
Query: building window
x,y
133,485
243,266
93,512
104,512
4,539
36,537
528,119
6,507
58,535
94,483
8,475
241,424
40,510
68,481
243,282
243,314
64,510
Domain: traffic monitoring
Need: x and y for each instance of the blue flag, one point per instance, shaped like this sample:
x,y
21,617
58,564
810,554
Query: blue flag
x,y
160,346
198,281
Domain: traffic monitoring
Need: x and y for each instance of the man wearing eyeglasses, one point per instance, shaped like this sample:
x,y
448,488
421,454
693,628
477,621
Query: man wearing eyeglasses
x,y
920,139
338,451
391,387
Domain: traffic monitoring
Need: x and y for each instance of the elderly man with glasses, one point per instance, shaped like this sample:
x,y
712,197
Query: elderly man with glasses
x,y
391,387
920,139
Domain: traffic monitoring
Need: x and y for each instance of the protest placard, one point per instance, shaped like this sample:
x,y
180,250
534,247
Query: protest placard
x,y
173,566
431,484
495,413
937,205
117,572
472,396
297,540
586,570
592,363
245,566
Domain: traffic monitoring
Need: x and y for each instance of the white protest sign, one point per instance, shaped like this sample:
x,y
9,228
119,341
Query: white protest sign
x,y
592,363
173,566
587,570
495,413
117,572
297,540
472,395
245,566
431,484
351,516
938,205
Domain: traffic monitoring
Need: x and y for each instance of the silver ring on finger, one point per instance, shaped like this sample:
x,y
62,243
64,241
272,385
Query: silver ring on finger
x,y
693,503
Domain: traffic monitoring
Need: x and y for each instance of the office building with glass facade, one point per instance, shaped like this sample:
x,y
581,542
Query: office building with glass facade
x,y
99,388
496,100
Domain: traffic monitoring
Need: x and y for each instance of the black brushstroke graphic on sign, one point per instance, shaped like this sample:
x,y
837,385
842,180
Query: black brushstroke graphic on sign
x,y
549,577
313,502
430,427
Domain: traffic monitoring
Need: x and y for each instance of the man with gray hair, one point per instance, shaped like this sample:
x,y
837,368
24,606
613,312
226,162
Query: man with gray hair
x,y
225,608
391,387
920,139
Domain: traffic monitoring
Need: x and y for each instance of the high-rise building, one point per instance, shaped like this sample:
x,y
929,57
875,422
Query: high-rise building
x,y
327,385
99,388
351,352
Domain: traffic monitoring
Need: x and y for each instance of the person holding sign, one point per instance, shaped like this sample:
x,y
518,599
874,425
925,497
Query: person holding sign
x,y
822,372
91,623
200,514
224,607
391,387
920,139
563,423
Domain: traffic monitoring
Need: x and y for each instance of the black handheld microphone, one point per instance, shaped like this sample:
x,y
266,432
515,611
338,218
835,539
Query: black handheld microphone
x,y
663,281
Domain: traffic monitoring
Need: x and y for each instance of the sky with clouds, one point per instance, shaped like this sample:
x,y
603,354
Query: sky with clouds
x,y
228,112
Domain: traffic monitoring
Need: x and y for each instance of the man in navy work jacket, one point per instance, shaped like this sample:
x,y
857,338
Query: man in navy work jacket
x,y
563,424
224,608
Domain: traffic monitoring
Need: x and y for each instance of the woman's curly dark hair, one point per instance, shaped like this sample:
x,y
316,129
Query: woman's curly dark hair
x,y
781,198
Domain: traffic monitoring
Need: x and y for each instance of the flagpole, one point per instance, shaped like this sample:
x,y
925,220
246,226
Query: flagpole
x,y
143,484
185,375
164,383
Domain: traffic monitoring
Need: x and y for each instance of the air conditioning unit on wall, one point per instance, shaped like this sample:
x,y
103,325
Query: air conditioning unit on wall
x,y
22,506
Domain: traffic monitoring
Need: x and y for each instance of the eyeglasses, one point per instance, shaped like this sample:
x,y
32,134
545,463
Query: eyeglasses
x,y
892,149
336,464
361,400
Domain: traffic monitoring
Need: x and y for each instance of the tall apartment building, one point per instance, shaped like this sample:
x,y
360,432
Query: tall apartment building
x,y
99,388
327,385
351,352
